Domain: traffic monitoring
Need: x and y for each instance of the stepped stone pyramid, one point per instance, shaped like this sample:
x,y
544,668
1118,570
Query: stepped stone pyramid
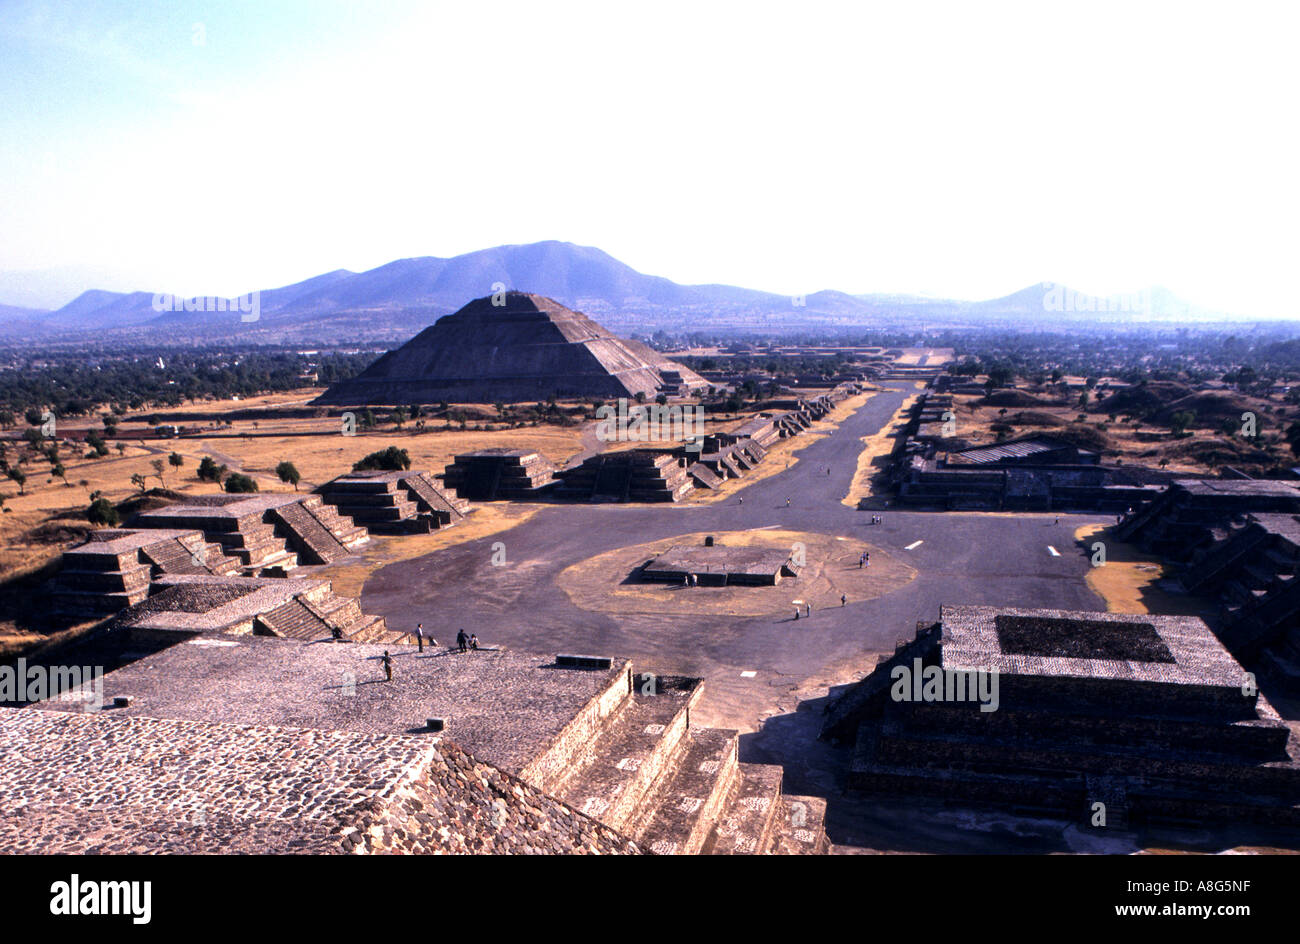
x,y
395,502
115,566
1147,714
639,475
529,348
264,532
290,608
491,474
1255,572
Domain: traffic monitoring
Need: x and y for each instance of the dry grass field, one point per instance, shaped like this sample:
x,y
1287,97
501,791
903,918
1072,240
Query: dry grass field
x,y
1024,411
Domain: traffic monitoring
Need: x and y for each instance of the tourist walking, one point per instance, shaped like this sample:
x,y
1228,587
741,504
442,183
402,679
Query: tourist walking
x,y
419,635
387,660
809,608
843,599
462,641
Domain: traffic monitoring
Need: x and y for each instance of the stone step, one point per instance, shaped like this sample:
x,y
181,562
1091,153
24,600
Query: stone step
x,y
621,765
748,825
682,812
294,620
307,534
800,828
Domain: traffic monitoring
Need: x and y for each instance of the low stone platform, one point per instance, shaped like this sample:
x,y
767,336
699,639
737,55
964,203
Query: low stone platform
x,y
500,474
720,566
593,734
639,475
264,532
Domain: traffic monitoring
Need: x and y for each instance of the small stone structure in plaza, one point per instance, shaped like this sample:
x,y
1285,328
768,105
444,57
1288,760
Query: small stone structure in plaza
x,y
718,566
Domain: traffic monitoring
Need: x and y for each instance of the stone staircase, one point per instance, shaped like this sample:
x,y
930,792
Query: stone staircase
x,y
308,618
190,555
446,509
316,532
678,789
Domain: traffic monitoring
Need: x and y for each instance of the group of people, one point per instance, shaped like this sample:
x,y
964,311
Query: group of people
x,y
464,642
876,519
864,560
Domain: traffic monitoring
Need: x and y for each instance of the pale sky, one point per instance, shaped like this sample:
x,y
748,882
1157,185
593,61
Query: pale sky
x,y
963,150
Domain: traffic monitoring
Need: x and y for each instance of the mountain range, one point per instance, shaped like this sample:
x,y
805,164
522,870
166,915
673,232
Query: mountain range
x,y
397,299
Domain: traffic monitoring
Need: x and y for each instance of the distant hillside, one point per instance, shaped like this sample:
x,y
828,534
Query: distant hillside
x,y
400,298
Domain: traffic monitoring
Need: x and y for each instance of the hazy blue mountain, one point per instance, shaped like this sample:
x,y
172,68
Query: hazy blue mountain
x,y
405,295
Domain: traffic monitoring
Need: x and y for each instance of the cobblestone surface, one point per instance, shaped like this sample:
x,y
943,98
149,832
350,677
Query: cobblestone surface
x,y
94,783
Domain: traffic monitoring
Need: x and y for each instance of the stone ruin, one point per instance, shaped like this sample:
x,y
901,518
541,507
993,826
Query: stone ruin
x,y
394,502
264,532
514,348
1191,514
932,467
1148,715
304,609
718,566
1253,569
501,474
641,475
116,566
270,745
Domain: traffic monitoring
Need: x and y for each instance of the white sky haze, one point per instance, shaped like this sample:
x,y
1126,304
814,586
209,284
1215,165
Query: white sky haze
x,y
962,150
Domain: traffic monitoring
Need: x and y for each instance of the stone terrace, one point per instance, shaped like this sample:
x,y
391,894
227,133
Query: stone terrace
x,y
102,783
297,608
503,707
616,746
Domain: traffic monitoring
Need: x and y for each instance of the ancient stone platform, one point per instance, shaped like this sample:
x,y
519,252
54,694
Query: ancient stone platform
x,y
640,475
295,608
1147,714
395,502
506,474
591,733
720,566
78,783
114,567
264,531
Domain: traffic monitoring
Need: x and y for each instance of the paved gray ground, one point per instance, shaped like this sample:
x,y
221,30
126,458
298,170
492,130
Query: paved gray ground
x,y
963,558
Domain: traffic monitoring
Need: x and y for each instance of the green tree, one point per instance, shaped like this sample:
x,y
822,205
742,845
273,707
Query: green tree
x,y
391,459
239,482
288,474
19,477
102,512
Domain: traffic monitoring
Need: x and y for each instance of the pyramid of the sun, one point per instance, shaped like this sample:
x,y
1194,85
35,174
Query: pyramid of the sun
x,y
529,348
